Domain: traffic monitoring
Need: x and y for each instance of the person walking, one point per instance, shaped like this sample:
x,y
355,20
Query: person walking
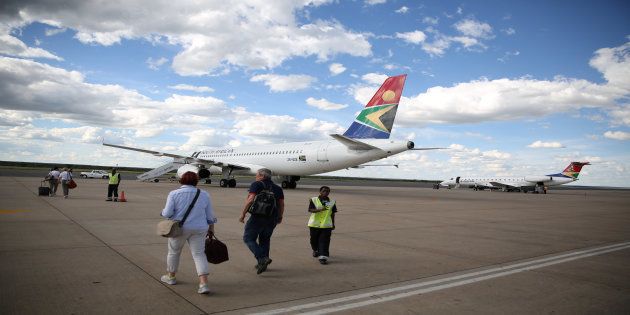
x,y
53,181
199,223
259,227
114,181
65,177
321,223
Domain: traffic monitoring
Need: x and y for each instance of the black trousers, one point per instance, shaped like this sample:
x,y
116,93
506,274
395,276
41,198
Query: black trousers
x,y
320,240
112,188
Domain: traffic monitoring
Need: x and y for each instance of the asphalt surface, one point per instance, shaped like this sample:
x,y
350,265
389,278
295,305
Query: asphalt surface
x,y
396,250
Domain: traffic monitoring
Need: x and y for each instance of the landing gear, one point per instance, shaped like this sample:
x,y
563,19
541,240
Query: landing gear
x,y
227,182
208,181
289,184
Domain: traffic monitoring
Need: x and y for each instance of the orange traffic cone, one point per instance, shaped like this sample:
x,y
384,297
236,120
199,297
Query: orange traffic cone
x,y
122,197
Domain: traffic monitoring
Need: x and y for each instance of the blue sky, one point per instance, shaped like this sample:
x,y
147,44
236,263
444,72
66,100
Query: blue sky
x,y
511,87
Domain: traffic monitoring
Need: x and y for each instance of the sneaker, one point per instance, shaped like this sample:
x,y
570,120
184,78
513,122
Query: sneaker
x,y
267,261
65,197
115,199
203,289
315,254
108,199
168,279
262,266
323,260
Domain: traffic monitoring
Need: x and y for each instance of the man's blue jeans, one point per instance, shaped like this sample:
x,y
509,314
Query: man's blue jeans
x,y
259,228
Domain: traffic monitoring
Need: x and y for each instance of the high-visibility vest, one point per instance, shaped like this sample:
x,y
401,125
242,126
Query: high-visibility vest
x,y
114,179
321,219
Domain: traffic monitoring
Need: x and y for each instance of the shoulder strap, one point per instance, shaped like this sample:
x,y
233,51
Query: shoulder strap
x,y
192,204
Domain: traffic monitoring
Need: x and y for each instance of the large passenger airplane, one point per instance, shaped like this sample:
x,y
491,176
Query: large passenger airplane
x,y
522,183
366,140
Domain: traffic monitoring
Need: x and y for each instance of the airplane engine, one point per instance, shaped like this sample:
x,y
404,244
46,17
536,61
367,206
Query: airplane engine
x,y
537,179
187,168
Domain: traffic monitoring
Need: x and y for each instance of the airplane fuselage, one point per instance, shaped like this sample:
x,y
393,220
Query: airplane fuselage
x,y
302,158
513,181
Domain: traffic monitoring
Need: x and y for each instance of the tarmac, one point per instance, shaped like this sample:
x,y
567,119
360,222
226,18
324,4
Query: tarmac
x,y
395,250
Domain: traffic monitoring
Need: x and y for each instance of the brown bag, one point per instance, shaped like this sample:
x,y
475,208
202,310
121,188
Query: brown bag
x,y
216,251
169,228
72,184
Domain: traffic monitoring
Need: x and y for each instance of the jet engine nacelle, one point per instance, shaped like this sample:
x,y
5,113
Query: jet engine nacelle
x,y
537,179
202,172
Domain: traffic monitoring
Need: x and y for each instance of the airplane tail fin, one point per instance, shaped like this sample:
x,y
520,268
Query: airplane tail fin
x,y
376,120
573,170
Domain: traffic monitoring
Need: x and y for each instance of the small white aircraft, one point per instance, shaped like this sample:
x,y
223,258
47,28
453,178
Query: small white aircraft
x,y
366,140
534,183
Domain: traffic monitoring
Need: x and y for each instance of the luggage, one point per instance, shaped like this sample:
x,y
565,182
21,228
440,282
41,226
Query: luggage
x,y
43,190
216,251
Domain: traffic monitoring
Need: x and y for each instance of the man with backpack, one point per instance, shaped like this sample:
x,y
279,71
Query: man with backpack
x,y
265,203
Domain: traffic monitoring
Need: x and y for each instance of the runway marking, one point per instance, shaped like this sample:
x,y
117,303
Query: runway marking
x,y
391,294
13,211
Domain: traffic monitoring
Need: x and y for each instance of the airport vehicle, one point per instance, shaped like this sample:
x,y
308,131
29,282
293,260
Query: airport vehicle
x,y
536,183
366,140
94,174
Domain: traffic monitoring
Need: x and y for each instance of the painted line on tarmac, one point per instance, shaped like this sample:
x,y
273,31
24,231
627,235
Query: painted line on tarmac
x,y
391,294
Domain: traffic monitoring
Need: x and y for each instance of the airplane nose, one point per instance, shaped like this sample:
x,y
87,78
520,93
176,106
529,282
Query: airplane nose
x,y
410,145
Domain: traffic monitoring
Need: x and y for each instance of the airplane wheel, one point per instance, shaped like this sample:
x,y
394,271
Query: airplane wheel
x,y
223,182
232,183
208,181
156,180
285,184
292,185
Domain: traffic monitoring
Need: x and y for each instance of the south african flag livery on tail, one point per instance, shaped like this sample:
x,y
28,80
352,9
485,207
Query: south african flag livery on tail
x,y
376,120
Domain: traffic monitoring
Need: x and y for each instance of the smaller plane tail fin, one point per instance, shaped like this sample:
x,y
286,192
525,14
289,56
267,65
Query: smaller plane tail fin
x,y
573,170
376,119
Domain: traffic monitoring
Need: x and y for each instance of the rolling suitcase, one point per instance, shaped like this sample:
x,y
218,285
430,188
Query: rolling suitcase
x,y
43,190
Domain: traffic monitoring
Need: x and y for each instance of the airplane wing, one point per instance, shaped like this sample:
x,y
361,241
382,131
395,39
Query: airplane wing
x,y
499,184
185,159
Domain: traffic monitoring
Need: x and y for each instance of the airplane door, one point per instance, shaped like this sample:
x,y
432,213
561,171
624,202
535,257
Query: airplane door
x,y
322,152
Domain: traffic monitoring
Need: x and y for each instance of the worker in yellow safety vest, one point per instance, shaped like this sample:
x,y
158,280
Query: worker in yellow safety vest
x,y
321,223
112,188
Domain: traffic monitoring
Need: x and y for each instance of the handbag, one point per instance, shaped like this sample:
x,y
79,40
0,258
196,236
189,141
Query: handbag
x,y
72,184
216,251
173,228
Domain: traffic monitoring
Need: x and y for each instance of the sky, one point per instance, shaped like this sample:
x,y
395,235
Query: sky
x,y
509,87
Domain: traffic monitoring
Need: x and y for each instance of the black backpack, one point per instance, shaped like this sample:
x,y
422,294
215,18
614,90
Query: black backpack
x,y
264,203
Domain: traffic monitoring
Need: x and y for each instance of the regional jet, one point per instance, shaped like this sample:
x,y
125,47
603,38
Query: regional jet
x,y
534,183
366,140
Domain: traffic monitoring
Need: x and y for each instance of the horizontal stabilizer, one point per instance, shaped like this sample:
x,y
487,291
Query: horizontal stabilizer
x,y
353,144
159,171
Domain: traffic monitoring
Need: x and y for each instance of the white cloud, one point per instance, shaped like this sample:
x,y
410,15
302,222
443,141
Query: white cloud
x,y
324,104
502,99
508,31
614,64
620,115
430,20
212,35
336,68
284,83
415,37
539,144
474,28
12,46
617,135
402,10
187,87
257,127
155,64
375,2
